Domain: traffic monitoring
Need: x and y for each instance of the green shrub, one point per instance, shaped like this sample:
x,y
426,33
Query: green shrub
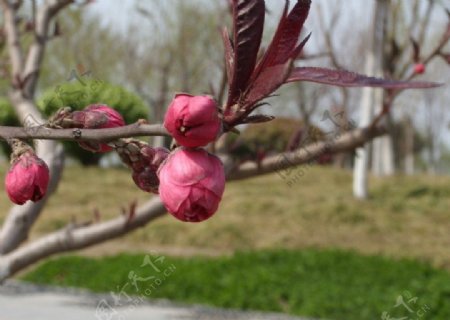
x,y
82,93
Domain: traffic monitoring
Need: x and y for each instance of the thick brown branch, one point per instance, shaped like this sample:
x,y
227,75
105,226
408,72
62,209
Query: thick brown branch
x,y
76,238
70,239
96,135
345,142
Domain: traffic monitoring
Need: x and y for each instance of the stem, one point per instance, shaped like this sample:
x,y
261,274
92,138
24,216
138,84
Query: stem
x,y
96,135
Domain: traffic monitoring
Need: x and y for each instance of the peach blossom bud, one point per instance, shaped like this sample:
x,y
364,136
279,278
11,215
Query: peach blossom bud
x,y
193,120
145,175
99,116
27,179
192,183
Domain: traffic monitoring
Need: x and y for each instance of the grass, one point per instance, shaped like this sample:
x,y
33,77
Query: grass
x,y
405,216
329,284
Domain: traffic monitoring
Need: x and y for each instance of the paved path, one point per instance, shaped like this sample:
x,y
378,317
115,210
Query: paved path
x,y
23,302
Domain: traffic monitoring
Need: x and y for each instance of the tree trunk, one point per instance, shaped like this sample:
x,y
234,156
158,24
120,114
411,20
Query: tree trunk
x,y
371,98
409,146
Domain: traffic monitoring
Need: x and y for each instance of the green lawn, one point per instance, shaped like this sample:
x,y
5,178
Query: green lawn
x,y
405,216
329,284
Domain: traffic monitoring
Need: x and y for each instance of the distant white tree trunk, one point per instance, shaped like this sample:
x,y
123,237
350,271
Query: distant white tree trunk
x,y
371,98
409,146
383,162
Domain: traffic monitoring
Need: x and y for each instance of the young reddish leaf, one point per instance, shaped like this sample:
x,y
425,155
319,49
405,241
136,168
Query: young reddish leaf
x,y
343,78
270,79
284,44
248,22
229,53
259,118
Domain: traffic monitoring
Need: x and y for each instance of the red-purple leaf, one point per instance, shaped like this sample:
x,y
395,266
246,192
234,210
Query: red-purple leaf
x,y
344,78
270,79
286,38
258,118
248,23
229,53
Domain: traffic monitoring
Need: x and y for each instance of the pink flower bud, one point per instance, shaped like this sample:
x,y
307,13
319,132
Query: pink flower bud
x,y
193,120
27,179
111,118
419,68
145,171
191,184
98,116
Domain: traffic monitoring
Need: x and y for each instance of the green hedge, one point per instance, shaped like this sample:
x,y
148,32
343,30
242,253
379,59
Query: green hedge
x,y
81,93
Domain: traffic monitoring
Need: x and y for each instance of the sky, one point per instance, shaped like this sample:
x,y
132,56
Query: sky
x,y
119,14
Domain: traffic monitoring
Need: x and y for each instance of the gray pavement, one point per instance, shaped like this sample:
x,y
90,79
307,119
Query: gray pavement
x,y
19,301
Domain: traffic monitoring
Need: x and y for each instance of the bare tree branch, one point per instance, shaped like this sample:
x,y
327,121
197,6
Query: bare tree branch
x,y
13,40
73,237
36,52
95,135
345,142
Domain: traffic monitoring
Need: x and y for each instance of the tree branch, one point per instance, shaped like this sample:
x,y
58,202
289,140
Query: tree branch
x,y
73,238
36,52
13,39
341,143
95,135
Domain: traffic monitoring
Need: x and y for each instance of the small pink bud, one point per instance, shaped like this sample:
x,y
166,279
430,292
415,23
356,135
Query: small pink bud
x,y
99,116
193,120
112,117
191,184
419,68
145,171
27,179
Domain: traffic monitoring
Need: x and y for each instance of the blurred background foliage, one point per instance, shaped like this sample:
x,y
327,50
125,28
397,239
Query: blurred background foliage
x,y
84,92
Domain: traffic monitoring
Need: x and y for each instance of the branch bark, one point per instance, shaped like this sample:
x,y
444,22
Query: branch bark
x,y
73,238
96,135
36,52
13,39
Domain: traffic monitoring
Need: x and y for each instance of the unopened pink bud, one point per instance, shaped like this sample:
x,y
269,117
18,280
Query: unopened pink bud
x,y
193,120
99,116
419,68
192,183
111,118
145,176
27,179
